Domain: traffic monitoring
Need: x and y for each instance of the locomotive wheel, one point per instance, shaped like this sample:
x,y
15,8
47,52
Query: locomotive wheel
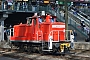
x,y
29,49
21,48
33,49
54,49
40,50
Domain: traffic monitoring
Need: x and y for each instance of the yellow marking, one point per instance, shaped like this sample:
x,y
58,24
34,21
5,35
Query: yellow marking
x,y
62,46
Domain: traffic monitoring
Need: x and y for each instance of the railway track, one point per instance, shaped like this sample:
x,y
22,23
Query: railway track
x,y
14,53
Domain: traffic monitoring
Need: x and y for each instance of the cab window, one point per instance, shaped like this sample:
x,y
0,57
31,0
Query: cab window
x,y
29,21
40,20
52,19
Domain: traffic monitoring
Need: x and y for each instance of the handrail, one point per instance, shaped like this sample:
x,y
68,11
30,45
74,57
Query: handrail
x,y
51,34
38,35
86,20
79,16
11,31
83,13
78,19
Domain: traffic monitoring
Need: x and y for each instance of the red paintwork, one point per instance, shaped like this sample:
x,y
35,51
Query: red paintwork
x,y
18,29
39,31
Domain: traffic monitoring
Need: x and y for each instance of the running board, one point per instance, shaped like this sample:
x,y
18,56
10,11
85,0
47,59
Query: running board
x,y
47,50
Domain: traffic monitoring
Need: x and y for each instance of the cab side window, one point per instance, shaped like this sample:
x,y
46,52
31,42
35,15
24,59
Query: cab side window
x,y
40,20
52,19
29,21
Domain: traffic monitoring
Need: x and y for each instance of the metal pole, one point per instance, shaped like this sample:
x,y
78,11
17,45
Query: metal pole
x,y
2,24
66,18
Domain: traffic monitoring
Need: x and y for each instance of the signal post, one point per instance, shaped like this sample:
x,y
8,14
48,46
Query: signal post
x,y
66,17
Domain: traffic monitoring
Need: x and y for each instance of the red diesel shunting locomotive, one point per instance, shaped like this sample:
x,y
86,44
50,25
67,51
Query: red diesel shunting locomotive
x,y
41,33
